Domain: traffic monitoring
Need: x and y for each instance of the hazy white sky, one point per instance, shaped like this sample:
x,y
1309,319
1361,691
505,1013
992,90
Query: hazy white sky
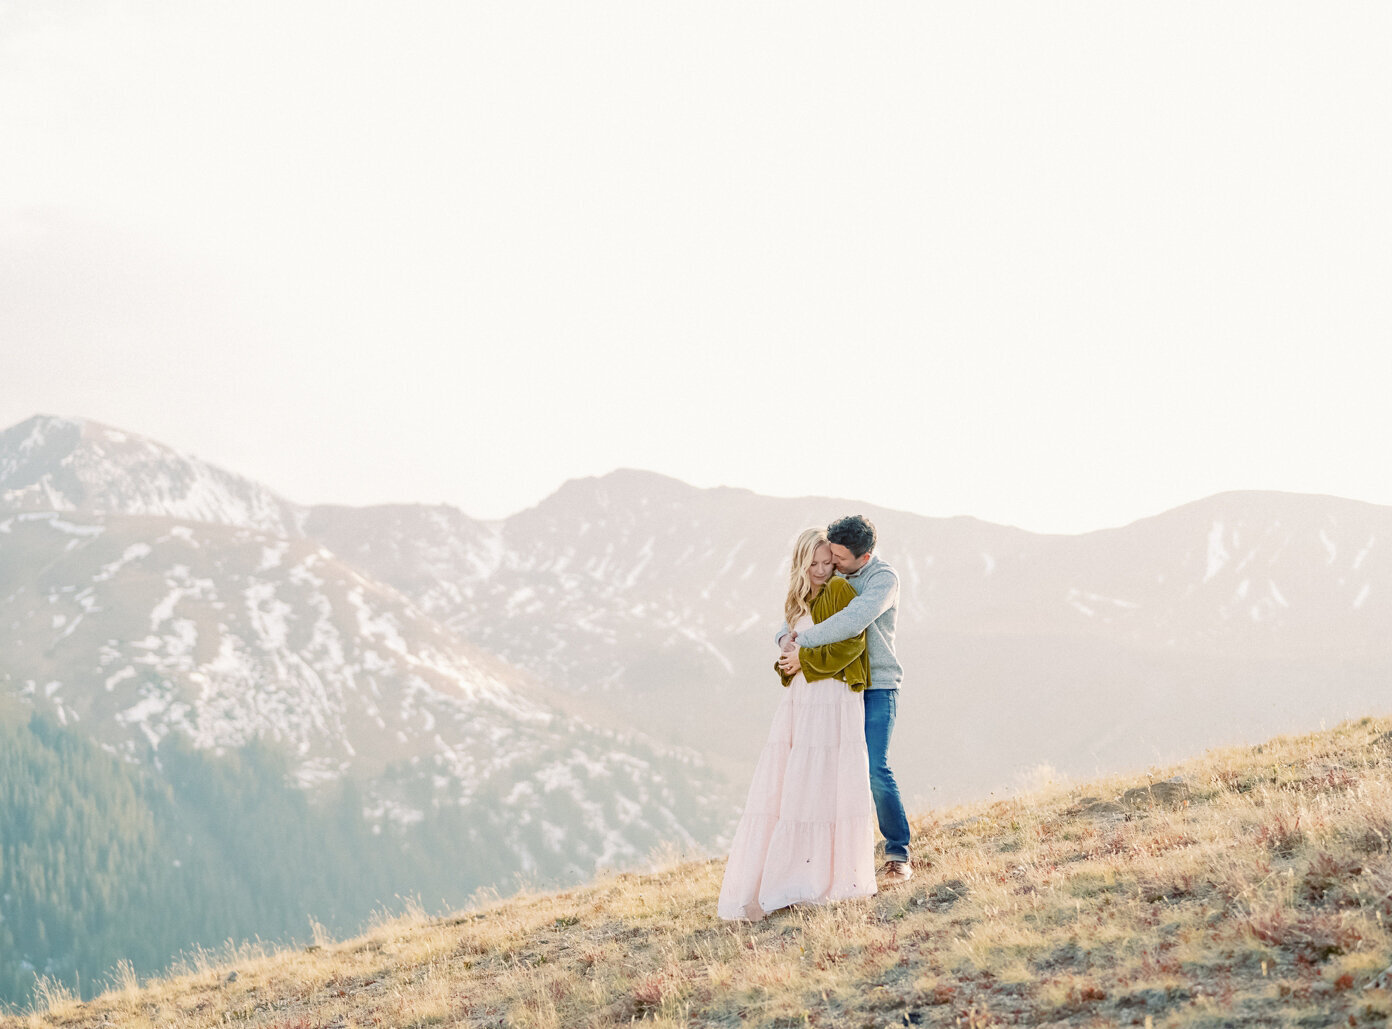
x,y
1056,265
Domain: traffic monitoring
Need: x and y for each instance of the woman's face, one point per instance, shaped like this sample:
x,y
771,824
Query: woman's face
x,y
822,565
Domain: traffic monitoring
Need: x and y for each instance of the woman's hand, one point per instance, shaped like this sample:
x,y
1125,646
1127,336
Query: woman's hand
x,y
788,663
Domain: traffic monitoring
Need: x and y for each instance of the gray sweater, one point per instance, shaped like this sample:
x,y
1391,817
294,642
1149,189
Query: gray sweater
x,y
874,610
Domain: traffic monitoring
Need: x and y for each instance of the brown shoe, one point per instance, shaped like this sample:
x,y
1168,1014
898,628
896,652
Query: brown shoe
x,y
892,873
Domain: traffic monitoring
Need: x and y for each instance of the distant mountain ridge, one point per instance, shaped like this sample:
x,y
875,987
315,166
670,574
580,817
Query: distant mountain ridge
x,y
65,464
1244,612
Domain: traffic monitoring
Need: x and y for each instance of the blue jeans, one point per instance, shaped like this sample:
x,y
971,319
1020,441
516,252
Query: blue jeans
x,y
880,708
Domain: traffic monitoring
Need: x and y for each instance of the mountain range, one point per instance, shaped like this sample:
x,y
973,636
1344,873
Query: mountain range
x,y
144,593
151,592
1026,655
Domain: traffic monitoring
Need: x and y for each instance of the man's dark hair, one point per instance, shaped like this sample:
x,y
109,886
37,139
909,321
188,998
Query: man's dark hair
x,y
854,532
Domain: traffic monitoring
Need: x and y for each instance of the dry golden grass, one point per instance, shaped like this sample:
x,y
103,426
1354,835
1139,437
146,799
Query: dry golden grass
x,y
1264,899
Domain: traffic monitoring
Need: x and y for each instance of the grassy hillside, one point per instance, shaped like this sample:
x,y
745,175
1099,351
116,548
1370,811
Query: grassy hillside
x,y
1258,891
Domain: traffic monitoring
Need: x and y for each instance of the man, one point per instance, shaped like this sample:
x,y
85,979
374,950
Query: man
x,y
875,610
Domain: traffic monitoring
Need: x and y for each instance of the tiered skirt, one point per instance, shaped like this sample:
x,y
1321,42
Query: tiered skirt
x,y
807,834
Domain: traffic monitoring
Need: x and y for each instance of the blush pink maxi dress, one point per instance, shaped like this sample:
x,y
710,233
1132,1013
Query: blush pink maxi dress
x,y
807,834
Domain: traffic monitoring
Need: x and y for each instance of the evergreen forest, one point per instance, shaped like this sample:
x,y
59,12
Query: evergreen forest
x,y
104,860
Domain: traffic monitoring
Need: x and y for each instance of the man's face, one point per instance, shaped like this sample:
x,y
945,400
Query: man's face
x,y
845,561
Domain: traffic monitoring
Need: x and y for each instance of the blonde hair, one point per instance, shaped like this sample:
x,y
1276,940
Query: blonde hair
x,y
800,587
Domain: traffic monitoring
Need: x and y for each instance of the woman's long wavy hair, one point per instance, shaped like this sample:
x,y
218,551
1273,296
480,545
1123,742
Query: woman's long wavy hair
x,y
800,587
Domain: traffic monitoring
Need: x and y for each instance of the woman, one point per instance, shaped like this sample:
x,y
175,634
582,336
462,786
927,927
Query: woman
x,y
807,835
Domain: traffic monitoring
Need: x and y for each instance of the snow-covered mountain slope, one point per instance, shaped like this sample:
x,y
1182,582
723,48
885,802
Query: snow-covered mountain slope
x,y
1267,573
436,554
632,581
1246,612
134,628
64,464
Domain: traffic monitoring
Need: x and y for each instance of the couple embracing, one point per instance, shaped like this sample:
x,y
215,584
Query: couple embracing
x,y
807,835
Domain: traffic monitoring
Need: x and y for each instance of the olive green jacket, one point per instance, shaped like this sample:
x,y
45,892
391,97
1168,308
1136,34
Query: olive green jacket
x,y
846,660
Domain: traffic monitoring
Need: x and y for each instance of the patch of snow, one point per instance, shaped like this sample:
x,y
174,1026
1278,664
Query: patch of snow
x,y
706,645
557,777
180,641
393,811
125,673
53,498
518,598
595,769
134,552
627,811
601,570
749,623
644,555
164,610
74,530
155,734
553,836
145,710
270,616
1362,595
487,554
316,773
181,584
72,627
1100,598
1217,553
1329,546
272,556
